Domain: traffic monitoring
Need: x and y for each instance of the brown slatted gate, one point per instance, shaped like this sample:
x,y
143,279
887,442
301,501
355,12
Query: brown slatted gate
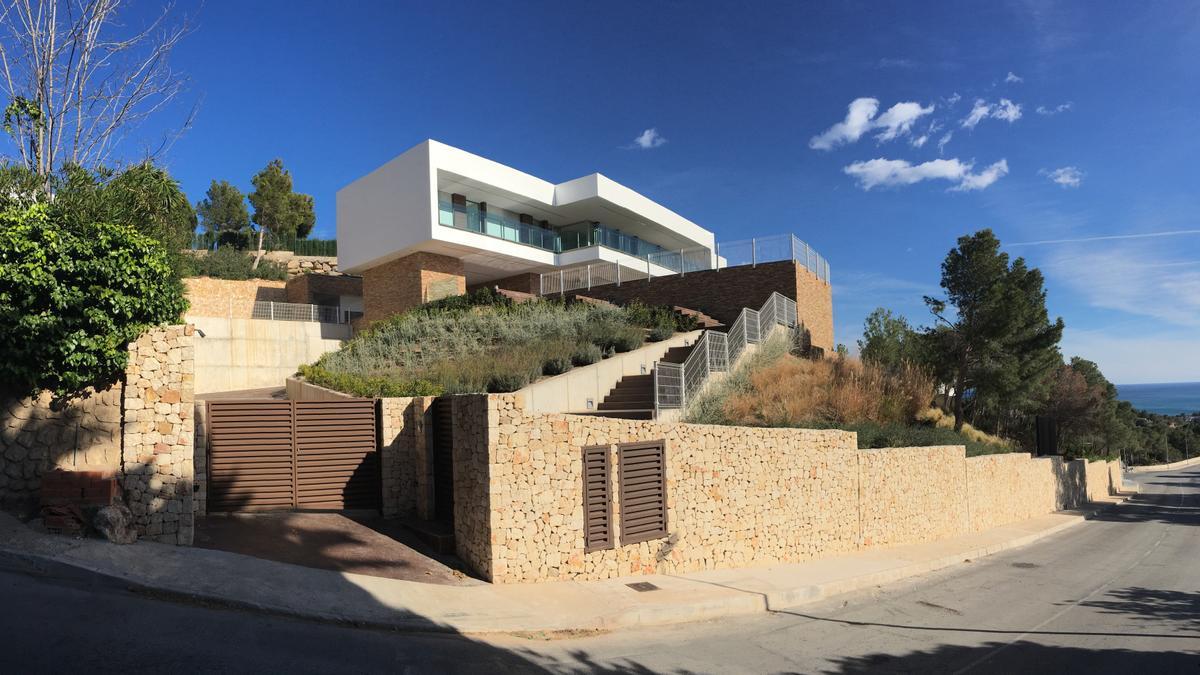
x,y
337,458
266,454
443,459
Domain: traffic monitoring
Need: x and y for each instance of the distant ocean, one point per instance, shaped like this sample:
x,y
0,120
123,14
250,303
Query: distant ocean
x,y
1165,399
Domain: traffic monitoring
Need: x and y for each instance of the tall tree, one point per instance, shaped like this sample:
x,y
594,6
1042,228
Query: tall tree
x,y
277,208
77,79
997,342
888,340
223,210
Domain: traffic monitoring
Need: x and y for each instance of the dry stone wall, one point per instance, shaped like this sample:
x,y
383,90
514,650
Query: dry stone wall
x,y
158,451
912,495
37,437
736,496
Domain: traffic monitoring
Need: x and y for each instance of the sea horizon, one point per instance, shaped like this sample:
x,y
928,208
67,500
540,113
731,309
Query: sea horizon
x,y
1164,398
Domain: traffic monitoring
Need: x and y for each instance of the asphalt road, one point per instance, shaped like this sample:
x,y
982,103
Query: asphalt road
x,y
1118,594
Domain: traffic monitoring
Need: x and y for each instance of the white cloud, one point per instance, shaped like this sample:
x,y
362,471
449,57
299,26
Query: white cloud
x,y
919,141
1004,110
1054,110
954,98
944,140
978,181
860,119
887,62
894,172
980,111
1067,176
1013,78
1134,279
1137,358
648,139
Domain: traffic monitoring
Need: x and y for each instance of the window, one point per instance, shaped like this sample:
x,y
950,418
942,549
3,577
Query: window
x,y
642,481
597,499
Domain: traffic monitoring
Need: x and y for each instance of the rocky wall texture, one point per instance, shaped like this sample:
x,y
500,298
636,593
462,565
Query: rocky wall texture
x,y
912,495
228,298
157,463
736,496
404,457
37,437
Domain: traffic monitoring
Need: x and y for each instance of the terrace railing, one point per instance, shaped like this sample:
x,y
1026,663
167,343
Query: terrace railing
x,y
751,252
676,384
293,311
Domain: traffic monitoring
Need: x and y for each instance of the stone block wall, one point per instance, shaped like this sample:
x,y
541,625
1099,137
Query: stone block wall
x,y
1099,481
37,437
723,293
404,457
407,282
736,496
157,462
228,298
912,495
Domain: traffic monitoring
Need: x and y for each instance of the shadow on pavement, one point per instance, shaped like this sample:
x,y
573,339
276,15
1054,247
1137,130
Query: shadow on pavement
x,y
1019,657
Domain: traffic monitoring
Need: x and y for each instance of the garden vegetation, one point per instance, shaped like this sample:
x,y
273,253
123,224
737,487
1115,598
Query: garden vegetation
x,y
484,342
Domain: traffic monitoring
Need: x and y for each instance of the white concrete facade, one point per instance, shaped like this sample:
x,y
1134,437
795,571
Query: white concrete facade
x,y
501,222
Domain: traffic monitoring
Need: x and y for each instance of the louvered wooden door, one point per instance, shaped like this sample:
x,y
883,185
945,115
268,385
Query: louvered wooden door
x,y
642,480
266,454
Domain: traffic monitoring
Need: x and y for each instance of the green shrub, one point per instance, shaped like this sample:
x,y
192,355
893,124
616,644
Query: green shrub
x,y
370,387
660,333
557,365
628,339
72,296
586,354
229,263
502,383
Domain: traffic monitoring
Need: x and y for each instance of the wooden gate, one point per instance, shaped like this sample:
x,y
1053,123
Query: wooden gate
x,y
267,454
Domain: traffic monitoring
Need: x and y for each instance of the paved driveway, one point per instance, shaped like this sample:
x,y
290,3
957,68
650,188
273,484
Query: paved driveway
x,y
360,544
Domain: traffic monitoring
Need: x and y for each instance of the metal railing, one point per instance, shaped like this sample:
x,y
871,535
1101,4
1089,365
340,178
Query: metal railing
x,y
676,384
750,252
294,311
207,241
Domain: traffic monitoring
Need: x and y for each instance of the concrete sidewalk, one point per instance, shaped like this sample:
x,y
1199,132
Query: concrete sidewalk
x,y
252,583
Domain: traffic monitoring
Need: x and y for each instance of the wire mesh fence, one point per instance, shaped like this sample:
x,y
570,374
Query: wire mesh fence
x,y
293,311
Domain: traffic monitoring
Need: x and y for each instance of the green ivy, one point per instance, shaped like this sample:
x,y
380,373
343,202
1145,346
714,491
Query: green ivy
x,y
72,296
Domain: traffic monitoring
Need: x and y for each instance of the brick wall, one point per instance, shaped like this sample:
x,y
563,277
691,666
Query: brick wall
x,y
723,293
524,283
407,282
228,298
736,496
304,287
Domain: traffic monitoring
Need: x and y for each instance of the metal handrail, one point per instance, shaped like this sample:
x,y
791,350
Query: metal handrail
x,y
751,252
718,352
294,311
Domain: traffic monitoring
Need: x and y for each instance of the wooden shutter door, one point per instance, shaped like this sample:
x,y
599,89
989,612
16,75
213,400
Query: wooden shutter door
x,y
597,499
642,480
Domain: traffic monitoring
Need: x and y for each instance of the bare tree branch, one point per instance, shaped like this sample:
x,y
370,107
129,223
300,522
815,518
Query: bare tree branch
x,y
83,81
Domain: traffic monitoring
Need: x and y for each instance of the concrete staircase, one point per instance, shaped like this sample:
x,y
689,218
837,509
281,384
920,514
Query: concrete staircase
x,y
633,396
702,320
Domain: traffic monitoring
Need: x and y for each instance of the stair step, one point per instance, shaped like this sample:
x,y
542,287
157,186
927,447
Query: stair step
x,y
627,405
591,301
516,296
702,319
645,414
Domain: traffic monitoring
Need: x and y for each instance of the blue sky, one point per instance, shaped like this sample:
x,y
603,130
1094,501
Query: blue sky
x,y
1071,123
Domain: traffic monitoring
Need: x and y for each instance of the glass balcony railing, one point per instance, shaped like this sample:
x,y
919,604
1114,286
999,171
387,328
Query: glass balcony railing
x,y
498,225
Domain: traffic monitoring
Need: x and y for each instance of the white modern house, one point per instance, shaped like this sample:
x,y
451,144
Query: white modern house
x,y
437,220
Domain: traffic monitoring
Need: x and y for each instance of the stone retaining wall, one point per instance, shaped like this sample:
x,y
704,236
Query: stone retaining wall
x,y
140,429
157,457
736,496
36,438
228,298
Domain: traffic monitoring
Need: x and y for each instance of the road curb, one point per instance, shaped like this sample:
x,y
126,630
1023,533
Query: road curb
x,y
735,602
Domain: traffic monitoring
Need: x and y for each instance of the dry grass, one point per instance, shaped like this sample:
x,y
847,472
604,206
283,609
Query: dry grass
x,y
794,391
938,418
